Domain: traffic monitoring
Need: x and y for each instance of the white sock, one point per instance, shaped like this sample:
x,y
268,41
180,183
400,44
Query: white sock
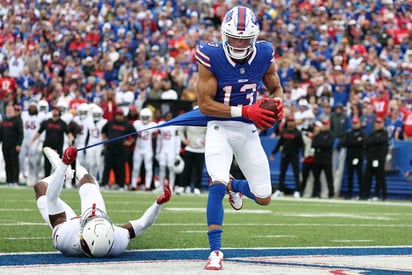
x,y
172,178
162,175
54,189
80,171
44,212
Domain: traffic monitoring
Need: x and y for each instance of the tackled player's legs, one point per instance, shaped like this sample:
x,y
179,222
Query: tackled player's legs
x,y
50,205
90,193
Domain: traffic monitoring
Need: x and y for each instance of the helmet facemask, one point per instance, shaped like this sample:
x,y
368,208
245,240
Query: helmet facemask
x,y
238,48
83,110
145,116
83,115
97,116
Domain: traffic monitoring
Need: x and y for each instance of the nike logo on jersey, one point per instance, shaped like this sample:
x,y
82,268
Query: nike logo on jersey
x,y
254,130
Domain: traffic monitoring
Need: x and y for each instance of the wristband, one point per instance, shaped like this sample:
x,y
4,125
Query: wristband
x,y
235,111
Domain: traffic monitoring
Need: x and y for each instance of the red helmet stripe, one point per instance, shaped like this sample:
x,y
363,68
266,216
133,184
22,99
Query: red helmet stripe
x,y
241,22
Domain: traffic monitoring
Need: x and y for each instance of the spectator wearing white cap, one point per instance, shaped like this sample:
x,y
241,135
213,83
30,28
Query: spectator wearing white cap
x,y
88,66
369,75
355,60
297,91
304,115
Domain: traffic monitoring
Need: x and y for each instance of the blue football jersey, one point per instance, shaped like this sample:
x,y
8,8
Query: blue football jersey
x,y
237,83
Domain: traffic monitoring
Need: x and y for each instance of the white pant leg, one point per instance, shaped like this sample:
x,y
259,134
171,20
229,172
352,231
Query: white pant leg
x,y
218,152
254,163
227,138
148,164
89,195
137,163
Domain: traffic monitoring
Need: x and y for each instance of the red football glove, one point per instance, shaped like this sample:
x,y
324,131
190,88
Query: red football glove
x,y
279,104
165,197
69,155
262,118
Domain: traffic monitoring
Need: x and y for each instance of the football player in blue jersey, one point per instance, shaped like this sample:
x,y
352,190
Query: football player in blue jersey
x,y
230,72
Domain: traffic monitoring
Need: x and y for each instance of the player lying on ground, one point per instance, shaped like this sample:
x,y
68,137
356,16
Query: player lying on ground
x,y
91,234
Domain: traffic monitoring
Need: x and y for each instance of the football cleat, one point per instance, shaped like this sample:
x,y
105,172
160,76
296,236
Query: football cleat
x,y
235,198
55,160
215,261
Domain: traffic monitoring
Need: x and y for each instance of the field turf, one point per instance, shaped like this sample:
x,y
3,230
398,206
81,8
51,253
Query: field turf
x,y
286,222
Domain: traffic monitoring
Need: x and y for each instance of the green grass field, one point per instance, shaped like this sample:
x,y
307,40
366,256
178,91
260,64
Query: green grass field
x,y
182,224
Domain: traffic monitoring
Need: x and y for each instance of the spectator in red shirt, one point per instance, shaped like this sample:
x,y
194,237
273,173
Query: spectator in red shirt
x,y
7,84
77,100
380,103
407,127
109,105
94,35
77,44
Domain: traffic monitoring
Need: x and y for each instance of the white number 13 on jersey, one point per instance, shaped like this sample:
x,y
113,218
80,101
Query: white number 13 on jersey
x,y
248,88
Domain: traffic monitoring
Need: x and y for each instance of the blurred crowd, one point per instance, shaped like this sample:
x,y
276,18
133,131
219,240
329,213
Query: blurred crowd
x,y
354,53
353,58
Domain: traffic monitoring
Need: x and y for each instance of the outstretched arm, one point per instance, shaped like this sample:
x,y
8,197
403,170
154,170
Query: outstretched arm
x,y
137,227
56,208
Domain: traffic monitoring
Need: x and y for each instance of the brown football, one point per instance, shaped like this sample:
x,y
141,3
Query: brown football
x,y
269,105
